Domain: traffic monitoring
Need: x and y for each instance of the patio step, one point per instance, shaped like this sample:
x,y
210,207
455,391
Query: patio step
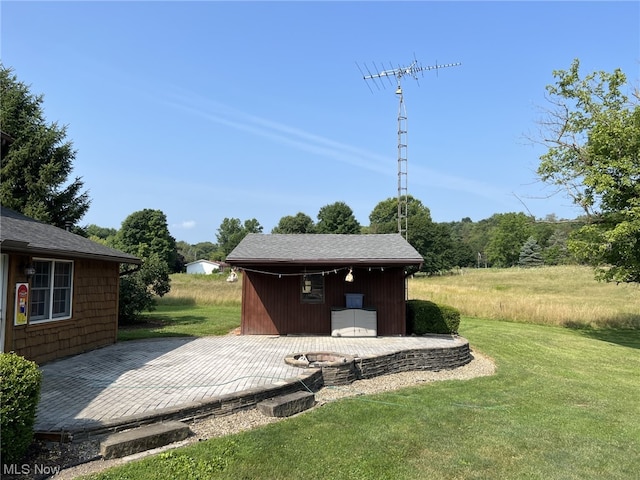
x,y
139,439
287,405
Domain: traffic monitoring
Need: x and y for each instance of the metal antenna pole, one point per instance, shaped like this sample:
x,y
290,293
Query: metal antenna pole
x,y
402,165
413,69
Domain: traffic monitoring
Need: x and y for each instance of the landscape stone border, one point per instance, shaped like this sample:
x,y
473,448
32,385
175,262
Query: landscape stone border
x,y
343,369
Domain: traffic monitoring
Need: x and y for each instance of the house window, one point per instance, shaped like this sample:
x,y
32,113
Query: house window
x,y
313,293
51,290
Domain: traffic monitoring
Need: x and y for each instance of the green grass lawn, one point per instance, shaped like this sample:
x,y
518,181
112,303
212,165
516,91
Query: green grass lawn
x,y
170,320
562,405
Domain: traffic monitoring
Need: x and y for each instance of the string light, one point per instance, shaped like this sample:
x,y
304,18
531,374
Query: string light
x,y
349,277
306,273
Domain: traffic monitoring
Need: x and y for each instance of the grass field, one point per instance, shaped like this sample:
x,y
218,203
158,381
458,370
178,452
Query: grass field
x,y
202,290
564,296
562,405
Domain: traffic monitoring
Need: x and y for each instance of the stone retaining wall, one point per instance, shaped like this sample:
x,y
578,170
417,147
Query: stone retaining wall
x,y
220,406
433,359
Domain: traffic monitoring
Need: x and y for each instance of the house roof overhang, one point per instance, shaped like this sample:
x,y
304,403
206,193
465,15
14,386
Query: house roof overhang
x,y
35,251
24,235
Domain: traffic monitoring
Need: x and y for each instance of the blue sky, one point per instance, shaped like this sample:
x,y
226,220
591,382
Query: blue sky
x,y
207,110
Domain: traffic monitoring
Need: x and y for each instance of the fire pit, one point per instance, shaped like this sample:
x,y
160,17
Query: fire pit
x,y
337,368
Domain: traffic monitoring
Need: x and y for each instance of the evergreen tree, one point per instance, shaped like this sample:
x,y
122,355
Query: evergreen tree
x,y
530,254
36,168
556,252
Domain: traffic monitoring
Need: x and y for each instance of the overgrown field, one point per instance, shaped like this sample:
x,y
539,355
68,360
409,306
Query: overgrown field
x,y
202,290
563,296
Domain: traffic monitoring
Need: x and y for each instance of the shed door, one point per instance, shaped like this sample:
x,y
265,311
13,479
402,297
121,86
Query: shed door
x,y
4,262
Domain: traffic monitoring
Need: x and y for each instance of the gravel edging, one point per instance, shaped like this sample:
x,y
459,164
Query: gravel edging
x,y
85,455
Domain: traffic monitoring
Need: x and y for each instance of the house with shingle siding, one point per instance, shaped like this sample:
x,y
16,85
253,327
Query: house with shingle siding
x,y
59,290
324,284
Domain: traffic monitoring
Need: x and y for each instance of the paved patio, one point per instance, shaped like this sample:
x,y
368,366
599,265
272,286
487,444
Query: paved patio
x,y
138,379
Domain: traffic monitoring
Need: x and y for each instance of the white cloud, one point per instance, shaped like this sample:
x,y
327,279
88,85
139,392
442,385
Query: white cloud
x,y
187,224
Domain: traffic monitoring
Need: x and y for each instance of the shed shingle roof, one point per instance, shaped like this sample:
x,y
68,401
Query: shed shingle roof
x,y
19,233
328,249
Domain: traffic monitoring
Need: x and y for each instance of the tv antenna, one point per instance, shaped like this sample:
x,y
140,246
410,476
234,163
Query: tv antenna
x,y
398,73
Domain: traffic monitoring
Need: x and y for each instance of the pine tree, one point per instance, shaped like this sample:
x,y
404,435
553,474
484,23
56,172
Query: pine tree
x,y
36,167
530,254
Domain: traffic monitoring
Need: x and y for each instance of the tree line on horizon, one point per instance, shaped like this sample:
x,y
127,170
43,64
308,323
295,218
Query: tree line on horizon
x,y
497,241
591,129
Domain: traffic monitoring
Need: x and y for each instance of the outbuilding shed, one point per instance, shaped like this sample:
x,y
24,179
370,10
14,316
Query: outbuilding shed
x,y
59,291
324,284
205,267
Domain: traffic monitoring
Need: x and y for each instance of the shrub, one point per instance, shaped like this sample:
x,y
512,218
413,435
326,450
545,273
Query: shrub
x,y
138,290
427,317
19,396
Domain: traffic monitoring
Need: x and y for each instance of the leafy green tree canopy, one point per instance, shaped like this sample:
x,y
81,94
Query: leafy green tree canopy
x,y
37,166
592,133
146,232
384,217
436,242
337,218
298,223
232,231
201,250
103,233
138,290
507,239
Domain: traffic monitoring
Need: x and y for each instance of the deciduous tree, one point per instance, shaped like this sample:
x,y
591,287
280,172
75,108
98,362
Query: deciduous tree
x,y
298,223
384,216
592,132
439,247
146,232
232,231
507,238
138,290
337,218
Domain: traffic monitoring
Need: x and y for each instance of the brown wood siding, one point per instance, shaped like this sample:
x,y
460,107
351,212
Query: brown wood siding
x,y
94,321
271,305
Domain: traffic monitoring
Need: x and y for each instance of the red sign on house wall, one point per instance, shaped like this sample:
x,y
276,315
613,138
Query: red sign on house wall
x,y
22,303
